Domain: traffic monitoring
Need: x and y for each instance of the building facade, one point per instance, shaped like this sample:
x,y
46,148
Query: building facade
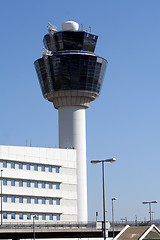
x,y
38,181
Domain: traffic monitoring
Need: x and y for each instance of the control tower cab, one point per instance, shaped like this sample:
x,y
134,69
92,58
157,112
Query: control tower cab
x,y
70,76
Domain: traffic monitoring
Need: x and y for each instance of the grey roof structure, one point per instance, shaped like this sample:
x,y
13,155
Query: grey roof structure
x,y
139,233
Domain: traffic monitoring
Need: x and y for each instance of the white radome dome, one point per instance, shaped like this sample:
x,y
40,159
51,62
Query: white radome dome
x,y
70,26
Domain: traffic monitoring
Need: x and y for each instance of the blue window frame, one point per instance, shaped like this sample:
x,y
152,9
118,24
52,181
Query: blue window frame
x,y
43,201
50,185
50,216
36,184
50,168
12,164
20,183
20,199
57,185
43,184
28,216
28,166
20,165
28,183
57,217
12,182
50,201
13,199
43,168
20,215
57,169
5,215
36,200
4,181
57,201
35,167
28,199
43,216
4,198
4,164
13,215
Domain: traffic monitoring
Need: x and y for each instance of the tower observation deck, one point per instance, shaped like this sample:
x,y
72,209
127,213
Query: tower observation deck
x,y
70,76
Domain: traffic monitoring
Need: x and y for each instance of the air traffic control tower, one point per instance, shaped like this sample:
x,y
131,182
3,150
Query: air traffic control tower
x,y
70,76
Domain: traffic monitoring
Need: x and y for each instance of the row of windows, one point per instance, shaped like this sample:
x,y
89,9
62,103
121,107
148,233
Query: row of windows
x,y
37,200
28,166
20,215
37,184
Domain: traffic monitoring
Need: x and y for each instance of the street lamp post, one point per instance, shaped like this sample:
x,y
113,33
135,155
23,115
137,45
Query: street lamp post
x,y
1,196
113,199
104,208
150,213
34,226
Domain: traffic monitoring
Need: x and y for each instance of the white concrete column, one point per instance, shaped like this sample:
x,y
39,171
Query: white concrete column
x,y
72,134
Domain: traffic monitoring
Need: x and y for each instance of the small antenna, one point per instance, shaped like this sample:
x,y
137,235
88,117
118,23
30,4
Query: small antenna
x,y
90,28
51,29
82,26
46,52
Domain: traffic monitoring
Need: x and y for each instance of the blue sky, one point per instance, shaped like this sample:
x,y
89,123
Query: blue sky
x,y
124,122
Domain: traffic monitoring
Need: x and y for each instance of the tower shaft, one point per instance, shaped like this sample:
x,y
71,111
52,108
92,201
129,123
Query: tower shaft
x,y
72,134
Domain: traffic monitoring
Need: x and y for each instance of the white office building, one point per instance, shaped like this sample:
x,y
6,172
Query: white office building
x,y
38,181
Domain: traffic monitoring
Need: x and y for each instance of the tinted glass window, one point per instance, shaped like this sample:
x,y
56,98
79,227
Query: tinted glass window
x,y
36,200
50,185
35,167
57,185
13,216
50,168
58,217
20,183
36,184
5,164
28,166
20,199
4,181
43,168
28,199
57,169
20,165
4,198
12,182
43,216
28,183
50,201
43,184
28,216
13,199
20,216
12,164
4,215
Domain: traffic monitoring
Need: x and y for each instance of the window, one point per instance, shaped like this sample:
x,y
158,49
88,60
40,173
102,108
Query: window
x,y
28,166
43,201
36,184
57,169
57,217
37,216
35,167
28,183
43,184
28,199
50,185
57,185
20,216
4,198
12,164
20,165
50,216
13,199
4,181
5,164
13,215
50,168
12,182
36,200
4,215
50,201
43,216
20,199
28,216
57,201
43,168
20,183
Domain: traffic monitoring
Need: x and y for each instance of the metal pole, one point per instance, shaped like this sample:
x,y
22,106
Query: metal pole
x,y
150,213
112,219
1,197
104,208
33,228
